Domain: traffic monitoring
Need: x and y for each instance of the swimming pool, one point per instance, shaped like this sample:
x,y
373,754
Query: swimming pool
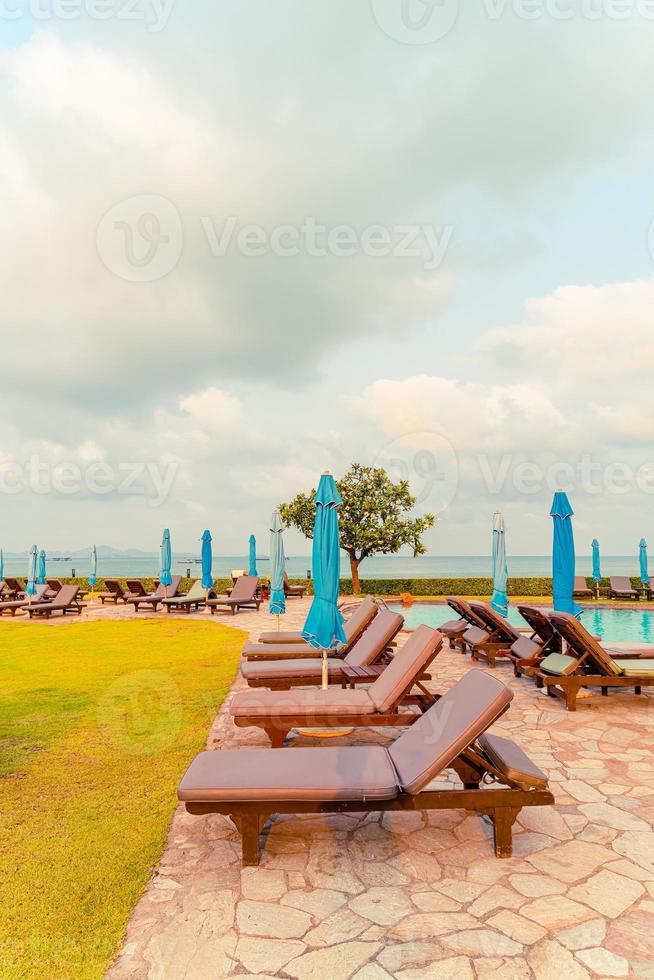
x,y
610,624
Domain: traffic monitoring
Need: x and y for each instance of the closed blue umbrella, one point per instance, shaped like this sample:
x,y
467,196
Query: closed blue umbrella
x,y
644,573
32,571
207,565
563,555
252,569
2,565
166,561
93,577
42,569
324,625
597,574
499,602
277,604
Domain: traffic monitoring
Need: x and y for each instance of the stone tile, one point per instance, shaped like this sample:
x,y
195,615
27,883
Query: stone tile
x,y
551,961
384,906
590,933
497,897
339,927
571,861
372,971
613,816
428,924
608,893
266,956
556,912
434,902
261,919
535,885
404,956
319,902
604,962
341,961
263,885
516,927
455,968
482,942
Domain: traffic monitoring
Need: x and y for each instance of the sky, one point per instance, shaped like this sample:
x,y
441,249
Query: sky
x,y
246,242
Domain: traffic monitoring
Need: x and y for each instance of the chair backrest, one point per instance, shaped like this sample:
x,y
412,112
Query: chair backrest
x,y
54,583
66,595
494,622
196,591
245,588
463,609
621,583
39,596
168,591
538,621
405,667
360,619
114,586
450,726
136,587
372,643
14,585
584,645
581,585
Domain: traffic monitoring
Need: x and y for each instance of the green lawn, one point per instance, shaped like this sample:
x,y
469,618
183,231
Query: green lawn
x,y
97,723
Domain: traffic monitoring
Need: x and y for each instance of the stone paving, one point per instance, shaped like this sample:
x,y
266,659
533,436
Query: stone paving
x,y
413,895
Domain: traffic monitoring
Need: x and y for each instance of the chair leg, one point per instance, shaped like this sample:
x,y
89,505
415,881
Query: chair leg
x,y
571,693
250,826
503,820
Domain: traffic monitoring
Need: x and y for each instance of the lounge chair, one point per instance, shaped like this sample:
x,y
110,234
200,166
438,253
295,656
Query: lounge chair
x,y
491,640
297,646
581,590
14,589
54,585
528,651
242,596
277,712
67,601
370,648
115,592
12,606
136,588
156,598
293,591
250,785
454,629
193,599
588,664
621,588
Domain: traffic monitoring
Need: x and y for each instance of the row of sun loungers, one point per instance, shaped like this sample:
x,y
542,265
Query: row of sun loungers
x,y
447,733
44,603
560,654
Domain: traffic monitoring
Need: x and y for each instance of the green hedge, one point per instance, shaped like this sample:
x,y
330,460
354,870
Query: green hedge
x,y
395,586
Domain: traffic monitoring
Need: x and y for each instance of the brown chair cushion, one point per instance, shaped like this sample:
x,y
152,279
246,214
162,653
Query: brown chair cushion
x,y
526,649
353,627
349,773
277,704
310,668
443,732
407,664
454,627
475,636
512,762
370,646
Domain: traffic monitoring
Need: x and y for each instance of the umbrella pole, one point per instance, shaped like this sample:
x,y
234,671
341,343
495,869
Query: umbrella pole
x,y
325,671
277,621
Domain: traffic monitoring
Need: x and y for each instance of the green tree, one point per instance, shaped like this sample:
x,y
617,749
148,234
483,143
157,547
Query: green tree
x,y
374,519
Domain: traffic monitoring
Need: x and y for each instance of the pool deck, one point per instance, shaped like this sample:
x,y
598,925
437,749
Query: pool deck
x,y
413,895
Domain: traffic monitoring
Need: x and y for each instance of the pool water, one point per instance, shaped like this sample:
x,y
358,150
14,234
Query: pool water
x,y
610,624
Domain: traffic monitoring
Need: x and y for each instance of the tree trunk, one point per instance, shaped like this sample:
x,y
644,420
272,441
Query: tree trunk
x,y
354,569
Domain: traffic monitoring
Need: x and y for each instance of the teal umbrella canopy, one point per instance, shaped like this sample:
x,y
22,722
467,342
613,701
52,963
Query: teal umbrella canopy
x,y
93,577
207,561
499,602
597,572
42,568
644,572
32,571
165,576
277,604
2,565
563,555
324,625
252,553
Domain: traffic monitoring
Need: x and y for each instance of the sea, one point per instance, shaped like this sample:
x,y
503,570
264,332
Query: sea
x,y
384,566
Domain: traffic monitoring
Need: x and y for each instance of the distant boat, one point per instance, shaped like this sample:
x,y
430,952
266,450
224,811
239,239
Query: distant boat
x,y
61,559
